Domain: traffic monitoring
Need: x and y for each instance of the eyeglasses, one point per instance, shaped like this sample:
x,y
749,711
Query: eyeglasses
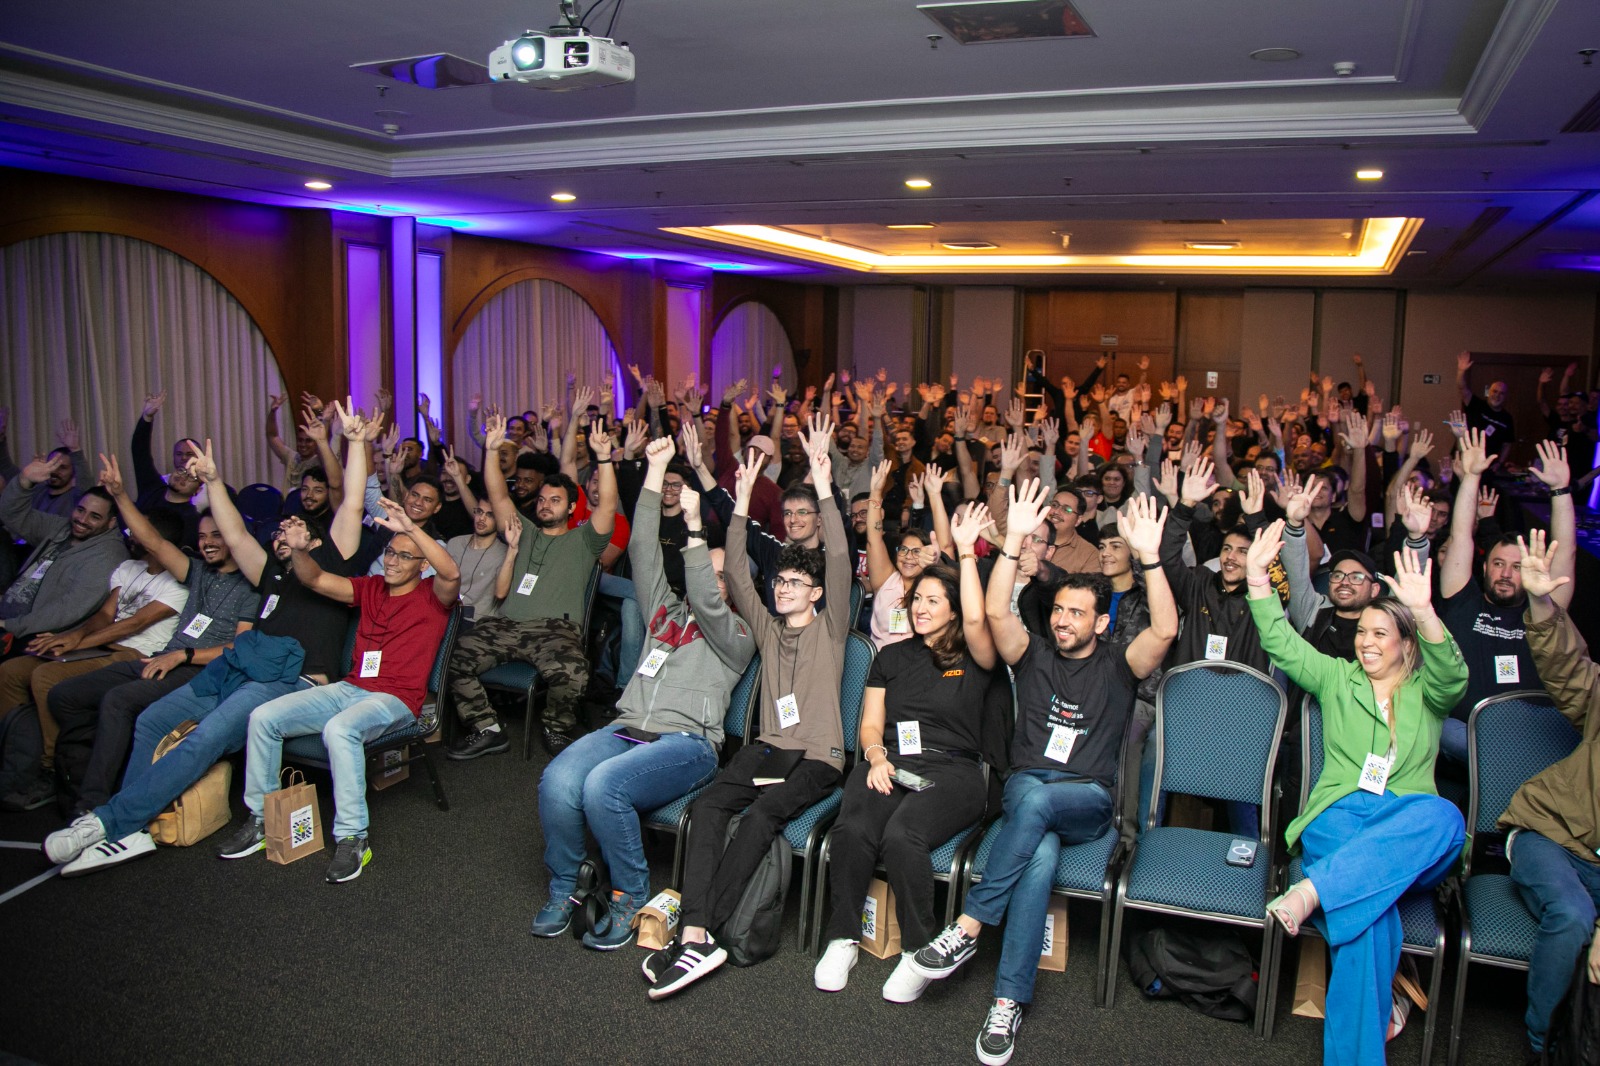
x,y
1066,508
1091,492
902,550
802,513
1357,579
404,557
791,583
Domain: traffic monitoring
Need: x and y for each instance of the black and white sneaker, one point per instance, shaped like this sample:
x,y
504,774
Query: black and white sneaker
x,y
350,857
945,955
998,1039
483,742
690,962
250,838
109,853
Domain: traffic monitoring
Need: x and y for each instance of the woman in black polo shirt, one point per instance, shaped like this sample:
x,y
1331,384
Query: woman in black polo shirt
x,y
923,713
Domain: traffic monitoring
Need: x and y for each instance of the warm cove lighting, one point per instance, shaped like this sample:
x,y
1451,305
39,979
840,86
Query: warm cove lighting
x,y
1383,243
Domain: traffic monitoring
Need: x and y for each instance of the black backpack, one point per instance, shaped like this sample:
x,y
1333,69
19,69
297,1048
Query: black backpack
x,y
1214,975
754,929
1574,1035
592,903
21,748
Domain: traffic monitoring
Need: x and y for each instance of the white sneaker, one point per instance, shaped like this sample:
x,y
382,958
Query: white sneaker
x,y
67,844
109,853
833,969
905,985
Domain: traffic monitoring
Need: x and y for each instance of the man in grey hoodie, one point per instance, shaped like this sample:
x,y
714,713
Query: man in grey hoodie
x,y
64,579
665,739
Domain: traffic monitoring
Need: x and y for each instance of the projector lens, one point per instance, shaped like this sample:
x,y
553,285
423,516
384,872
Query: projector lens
x,y
528,53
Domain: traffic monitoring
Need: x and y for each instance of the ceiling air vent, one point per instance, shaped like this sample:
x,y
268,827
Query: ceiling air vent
x,y
1586,119
969,246
986,21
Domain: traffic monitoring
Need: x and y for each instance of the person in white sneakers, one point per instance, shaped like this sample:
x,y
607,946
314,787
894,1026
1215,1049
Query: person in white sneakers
x,y
1075,696
924,715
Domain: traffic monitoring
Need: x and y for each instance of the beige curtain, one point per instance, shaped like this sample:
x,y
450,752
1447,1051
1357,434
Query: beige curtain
x,y
92,322
520,348
748,343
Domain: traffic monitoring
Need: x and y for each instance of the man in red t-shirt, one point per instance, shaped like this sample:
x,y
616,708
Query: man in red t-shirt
x,y
402,622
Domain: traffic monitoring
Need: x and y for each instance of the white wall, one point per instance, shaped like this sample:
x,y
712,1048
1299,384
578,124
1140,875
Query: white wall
x,y
983,336
881,331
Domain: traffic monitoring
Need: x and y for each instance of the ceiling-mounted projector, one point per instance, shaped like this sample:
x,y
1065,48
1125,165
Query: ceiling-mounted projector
x,y
570,60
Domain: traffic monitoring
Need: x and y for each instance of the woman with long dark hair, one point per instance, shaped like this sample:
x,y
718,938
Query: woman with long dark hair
x,y
892,572
1373,828
923,713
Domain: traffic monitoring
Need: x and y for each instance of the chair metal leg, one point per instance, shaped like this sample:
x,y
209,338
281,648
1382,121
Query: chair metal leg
x,y
527,723
1435,982
1462,964
432,766
1116,937
818,900
1107,962
1271,963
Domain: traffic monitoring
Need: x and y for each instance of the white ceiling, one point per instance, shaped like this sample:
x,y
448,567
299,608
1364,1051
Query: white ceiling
x,y
814,113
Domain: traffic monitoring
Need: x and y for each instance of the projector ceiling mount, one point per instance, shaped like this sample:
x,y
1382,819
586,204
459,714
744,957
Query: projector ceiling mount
x,y
565,56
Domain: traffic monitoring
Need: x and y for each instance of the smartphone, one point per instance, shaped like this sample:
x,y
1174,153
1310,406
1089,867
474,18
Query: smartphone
x,y
1242,852
638,736
915,782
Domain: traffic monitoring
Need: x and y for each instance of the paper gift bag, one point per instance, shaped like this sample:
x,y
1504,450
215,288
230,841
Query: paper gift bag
x,y
1311,983
1053,952
292,824
388,768
658,920
880,927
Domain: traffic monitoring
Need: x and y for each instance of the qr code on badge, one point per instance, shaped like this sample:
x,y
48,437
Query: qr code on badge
x,y
301,824
869,919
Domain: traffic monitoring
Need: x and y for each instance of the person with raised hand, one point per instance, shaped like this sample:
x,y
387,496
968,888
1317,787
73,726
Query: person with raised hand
x,y
1374,828
665,739
799,743
1554,818
891,573
1074,696
1484,610
295,642
401,624
928,710
540,619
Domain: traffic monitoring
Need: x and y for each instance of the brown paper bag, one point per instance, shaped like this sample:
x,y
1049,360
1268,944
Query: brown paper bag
x,y
1053,952
658,920
1311,984
880,927
388,768
292,824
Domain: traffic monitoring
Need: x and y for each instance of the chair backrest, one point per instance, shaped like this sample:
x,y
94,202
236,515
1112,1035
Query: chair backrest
x,y
260,502
589,593
291,502
441,658
858,653
741,699
1218,725
1511,738
1310,746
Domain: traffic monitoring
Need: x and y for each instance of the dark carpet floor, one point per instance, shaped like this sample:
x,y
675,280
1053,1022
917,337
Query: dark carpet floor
x,y
181,958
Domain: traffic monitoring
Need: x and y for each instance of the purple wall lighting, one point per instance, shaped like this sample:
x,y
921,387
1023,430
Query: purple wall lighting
x,y
430,333
364,313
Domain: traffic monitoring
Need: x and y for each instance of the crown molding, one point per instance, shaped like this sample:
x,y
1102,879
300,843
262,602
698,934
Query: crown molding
x,y
1514,35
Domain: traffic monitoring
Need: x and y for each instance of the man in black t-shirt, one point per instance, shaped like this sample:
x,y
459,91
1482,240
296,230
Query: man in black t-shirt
x,y
1487,412
1075,698
297,642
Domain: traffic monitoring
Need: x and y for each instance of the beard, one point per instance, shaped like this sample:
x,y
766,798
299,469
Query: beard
x,y
1500,599
548,523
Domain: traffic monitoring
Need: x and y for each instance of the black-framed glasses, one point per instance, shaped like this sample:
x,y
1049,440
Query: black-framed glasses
x,y
1357,578
904,550
791,583
404,557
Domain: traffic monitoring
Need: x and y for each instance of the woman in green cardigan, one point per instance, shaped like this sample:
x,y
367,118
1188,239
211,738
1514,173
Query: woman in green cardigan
x,y
1373,828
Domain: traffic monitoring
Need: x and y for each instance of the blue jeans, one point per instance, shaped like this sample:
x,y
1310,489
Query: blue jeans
x,y
1453,741
347,716
148,786
1362,854
1044,809
632,625
1562,891
603,781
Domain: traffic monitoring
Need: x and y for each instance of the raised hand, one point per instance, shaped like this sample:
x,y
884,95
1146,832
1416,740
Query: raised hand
x,y
1421,444
1188,455
745,480
581,399
1414,511
494,433
1050,434
1028,503
204,465
689,500
1198,483
1536,563
1219,413
1391,430
452,468
638,433
602,444
513,536
1015,414
1167,483
1355,431
1553,469
1412,583
1488,503
1140,524
734,391
1254,496
110,475
68,435
152,403
382,402
1464,362
915,489
1474,458
968,524
1264,549
39,469
1012,451
313,426
351,423
1298,506
1457,423
394,517
658,453
1135,441
689,441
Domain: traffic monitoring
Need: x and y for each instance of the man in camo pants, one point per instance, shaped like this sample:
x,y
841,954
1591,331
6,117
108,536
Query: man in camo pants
x,y
541,619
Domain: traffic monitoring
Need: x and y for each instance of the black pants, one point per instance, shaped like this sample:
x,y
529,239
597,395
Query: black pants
x,y
713,879
902,828
96,712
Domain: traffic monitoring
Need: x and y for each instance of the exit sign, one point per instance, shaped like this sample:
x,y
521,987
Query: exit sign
x,y
1108,340
1431,379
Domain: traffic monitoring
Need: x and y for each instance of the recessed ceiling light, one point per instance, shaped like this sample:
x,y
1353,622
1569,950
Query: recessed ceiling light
x,y
1275,55
1369,174
1211,246
918,183
319,185
909,225
562,197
